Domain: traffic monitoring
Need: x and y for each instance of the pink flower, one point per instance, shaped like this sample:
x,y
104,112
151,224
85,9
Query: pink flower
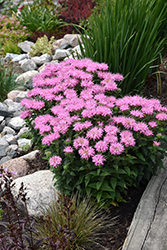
x,y
137,113
80,142
156,143
101,146
111,130
116,148
127,138
98,159
110,138
55,161
161,116
86,152
152,124
68,150
95,133
25,114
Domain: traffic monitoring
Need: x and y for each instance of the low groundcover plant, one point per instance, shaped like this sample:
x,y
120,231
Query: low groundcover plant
x,y
96,142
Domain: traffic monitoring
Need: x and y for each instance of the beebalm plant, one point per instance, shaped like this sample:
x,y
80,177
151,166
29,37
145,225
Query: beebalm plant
x,y
97,143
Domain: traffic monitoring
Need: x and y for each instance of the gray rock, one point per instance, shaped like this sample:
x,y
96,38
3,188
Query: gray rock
x,y
28,65
6,113
12,106
61,54
39,60
39,188
3,147
72,39
16,123
5,159
3,106
26,46
65,46
19,57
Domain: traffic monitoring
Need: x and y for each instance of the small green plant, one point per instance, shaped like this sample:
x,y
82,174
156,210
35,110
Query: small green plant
x,y
75,222
26,135
42,46
7,78
40,15
26,147
129,36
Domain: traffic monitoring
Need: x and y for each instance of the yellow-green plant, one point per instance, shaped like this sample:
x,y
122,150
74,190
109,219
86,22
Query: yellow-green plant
x,y
42,46
128,35
72,223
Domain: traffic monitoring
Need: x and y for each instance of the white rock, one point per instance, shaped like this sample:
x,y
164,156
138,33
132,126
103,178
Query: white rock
x,y
25,77
23,142
31,156
39,188
16,123
26,46
60,54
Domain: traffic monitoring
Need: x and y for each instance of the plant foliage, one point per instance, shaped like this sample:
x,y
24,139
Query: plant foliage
x,y
129,36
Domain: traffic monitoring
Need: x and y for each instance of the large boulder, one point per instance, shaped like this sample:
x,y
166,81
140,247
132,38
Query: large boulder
x,y
39,188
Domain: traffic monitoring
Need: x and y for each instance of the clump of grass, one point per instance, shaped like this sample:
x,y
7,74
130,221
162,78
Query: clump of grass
x,y
80,219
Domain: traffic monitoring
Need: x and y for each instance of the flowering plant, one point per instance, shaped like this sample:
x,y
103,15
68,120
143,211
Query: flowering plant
x,y
11,31
96,143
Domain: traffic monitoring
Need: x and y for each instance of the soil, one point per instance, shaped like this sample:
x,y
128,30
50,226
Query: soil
x,y
114,237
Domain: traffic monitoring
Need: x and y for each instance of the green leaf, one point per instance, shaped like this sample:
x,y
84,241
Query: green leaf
x,y
88,189
81,168
106,187
98,196
87,179
153,158
92,185
127,169
141,157
98,185
113,182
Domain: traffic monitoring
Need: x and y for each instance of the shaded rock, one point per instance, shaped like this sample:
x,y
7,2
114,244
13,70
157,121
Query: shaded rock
x,y
72,39
6,113
18,165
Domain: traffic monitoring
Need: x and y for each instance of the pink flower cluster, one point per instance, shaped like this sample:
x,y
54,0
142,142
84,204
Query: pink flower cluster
x,y
79,105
